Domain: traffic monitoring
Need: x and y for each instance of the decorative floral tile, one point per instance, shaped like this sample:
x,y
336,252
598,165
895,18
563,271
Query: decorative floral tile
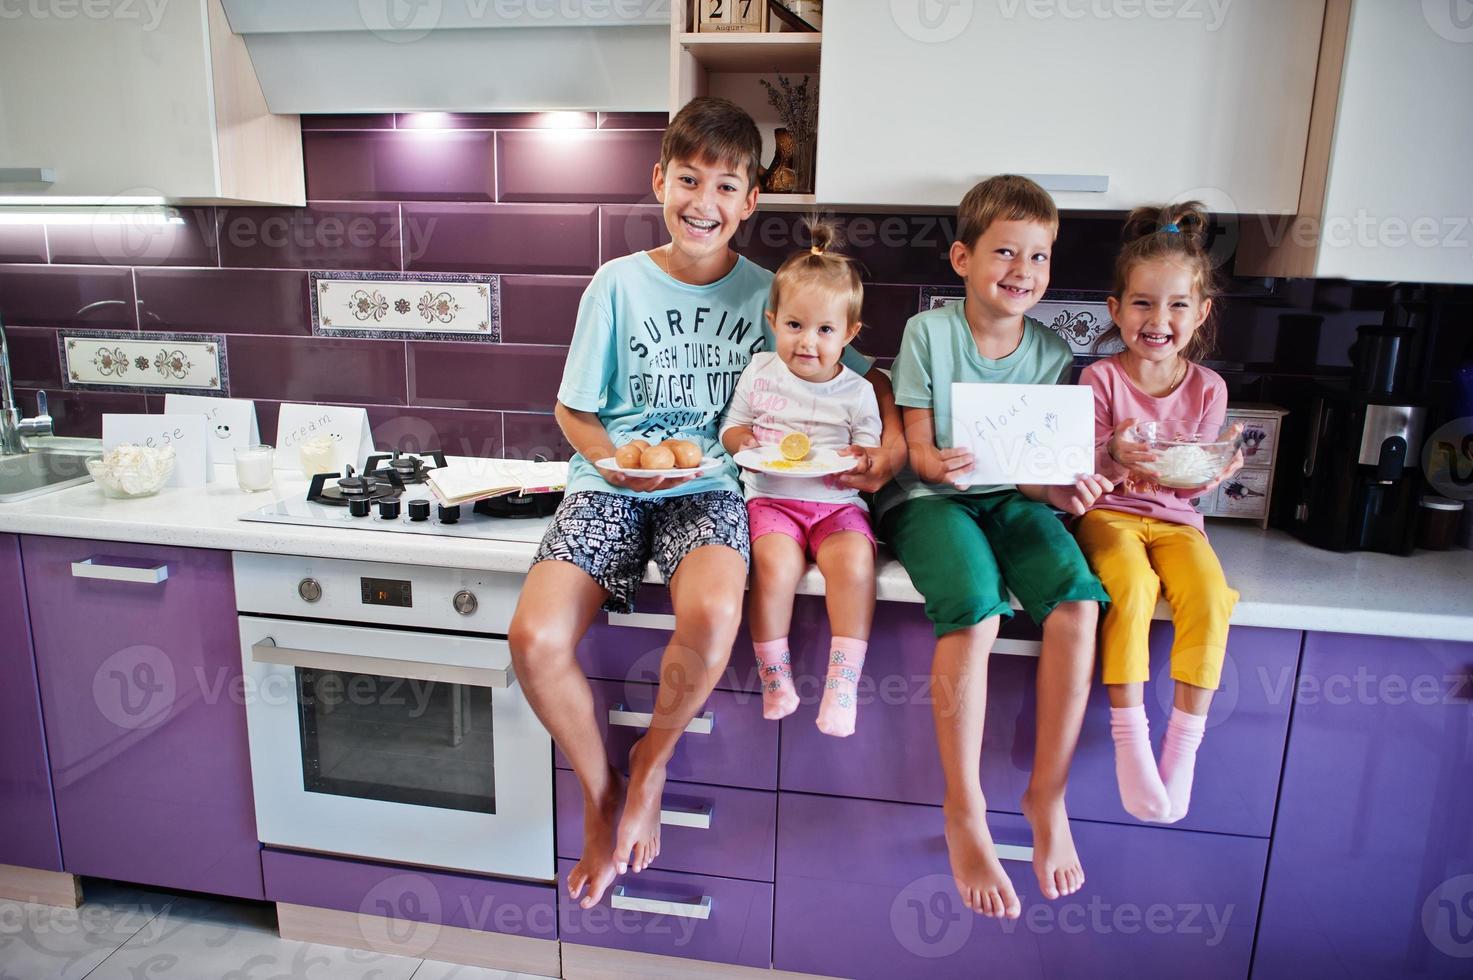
x,y
1081,318
132,361
397,305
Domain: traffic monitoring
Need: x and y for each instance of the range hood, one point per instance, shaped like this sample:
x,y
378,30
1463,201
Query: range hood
x,y
356,56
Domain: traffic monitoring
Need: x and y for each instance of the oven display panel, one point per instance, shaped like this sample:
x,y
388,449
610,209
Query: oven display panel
x,y
387,592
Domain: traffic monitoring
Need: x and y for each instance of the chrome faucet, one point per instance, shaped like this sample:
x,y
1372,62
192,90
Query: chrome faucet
x,y
13,428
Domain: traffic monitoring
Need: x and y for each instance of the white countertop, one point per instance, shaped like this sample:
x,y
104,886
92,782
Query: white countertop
x,y
1284,583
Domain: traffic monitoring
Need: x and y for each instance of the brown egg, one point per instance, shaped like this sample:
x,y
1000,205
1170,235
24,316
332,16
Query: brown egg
x,y
627,457
687,453
657,458
638,442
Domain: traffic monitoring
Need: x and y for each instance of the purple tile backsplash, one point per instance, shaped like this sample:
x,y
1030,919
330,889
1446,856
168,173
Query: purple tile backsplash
x,y
127,243
552,239
400,165
264,301
540,199
570,166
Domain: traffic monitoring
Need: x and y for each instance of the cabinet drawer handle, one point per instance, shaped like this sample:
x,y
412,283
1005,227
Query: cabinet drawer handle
x,y
686,910
622,716
697,819
91,568
1014,852
1075,183
266,651
27,175
645,621
1017,648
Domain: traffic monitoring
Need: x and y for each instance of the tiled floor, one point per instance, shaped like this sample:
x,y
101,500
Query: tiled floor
x,y
124,933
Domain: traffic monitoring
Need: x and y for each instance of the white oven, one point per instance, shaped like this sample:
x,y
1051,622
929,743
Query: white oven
x,y
385,719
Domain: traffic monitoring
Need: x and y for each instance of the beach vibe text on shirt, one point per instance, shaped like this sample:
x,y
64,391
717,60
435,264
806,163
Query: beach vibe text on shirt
x,y
691,362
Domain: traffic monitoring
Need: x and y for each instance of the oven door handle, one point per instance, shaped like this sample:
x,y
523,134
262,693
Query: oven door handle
x,y
265,651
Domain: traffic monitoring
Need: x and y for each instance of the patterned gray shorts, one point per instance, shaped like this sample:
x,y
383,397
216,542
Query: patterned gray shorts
x,y
611,536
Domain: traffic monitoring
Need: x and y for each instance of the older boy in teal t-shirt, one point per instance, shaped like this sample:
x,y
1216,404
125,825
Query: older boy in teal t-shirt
x,y
660,340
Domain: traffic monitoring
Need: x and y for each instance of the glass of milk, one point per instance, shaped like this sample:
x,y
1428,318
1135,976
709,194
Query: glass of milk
x,y
253,468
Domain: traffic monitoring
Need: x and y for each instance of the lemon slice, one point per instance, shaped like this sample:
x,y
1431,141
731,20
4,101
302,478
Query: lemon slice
x,y
795,446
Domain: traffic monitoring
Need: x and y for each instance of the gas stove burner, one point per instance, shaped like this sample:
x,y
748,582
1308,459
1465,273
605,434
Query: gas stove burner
x,y
530,505
352,487
408,467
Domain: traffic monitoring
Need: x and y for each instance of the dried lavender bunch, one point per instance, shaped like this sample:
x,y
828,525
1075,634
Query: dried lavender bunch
x,y
796,105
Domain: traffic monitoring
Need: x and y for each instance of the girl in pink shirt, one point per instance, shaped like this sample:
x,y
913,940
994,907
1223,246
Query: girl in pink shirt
x,y
1144,540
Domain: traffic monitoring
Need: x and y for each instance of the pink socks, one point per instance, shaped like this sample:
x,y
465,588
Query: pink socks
x,y
1141,789
1179,759
779,699
837,709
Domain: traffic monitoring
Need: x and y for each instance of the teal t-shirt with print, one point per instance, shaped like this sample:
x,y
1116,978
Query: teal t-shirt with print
x,y
938,349
656,358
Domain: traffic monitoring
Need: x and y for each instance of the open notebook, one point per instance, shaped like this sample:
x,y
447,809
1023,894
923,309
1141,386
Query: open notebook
x,y
464,481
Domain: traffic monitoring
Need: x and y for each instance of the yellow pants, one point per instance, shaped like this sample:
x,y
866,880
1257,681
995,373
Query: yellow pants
x,y
1137,558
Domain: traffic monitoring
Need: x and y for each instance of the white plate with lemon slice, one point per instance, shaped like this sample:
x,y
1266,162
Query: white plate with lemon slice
x,y
818,462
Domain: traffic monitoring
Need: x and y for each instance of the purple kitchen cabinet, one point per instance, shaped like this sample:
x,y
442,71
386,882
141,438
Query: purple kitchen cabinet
x,y
729,743
1237,770
630,647
412,894
138,656
864,889
26,812
712,830
695,917
1372,867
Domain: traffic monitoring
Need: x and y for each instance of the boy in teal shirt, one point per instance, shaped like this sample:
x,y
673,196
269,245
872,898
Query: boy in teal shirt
x,y
966,547
660,340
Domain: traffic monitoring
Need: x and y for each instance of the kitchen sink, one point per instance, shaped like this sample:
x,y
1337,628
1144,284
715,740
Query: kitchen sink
x,y
53,463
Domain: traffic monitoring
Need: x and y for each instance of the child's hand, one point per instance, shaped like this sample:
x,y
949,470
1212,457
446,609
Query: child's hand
x,y
869,473
641,484
1079,497
944,466
1125,449
1235,464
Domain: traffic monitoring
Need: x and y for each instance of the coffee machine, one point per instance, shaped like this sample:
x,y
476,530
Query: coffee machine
x,y
1360,479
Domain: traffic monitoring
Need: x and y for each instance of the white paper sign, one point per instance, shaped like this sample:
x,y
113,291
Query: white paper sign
x,y
186,433
1040,434
347,427
230,423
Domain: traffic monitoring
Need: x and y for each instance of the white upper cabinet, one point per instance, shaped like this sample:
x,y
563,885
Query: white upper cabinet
x,y
147,100
1150,100
1388,181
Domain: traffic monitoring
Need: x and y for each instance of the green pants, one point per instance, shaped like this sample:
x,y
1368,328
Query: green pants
x,y
965,552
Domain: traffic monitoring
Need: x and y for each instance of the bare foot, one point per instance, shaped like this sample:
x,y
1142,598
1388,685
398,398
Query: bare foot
x,y
984,886
638,841
1054,859
595,870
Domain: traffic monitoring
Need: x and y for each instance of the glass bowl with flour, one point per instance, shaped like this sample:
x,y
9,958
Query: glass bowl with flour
x,y
1186,455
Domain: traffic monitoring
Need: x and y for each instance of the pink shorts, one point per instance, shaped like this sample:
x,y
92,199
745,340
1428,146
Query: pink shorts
x,y
805,521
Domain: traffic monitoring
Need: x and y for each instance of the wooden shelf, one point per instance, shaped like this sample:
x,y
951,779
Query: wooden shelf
x,y
786,202
751,52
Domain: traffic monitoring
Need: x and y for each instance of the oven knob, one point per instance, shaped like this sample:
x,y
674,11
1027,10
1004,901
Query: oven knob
x,y
358,507
449,514
465,602
309,589
419,510
388,508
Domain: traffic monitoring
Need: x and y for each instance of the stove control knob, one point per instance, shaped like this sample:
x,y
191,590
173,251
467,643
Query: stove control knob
x,y
465,602
358,507
419,510
388,508
309,589
449,514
